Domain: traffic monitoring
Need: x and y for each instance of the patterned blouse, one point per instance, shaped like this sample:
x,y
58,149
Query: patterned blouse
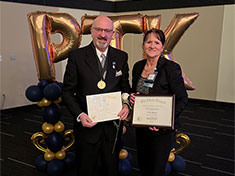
x,y
140,86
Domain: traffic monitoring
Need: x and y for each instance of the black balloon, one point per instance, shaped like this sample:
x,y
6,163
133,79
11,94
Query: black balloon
x,y
168,169
41,163
54,141
70,160
52,92
52,113
34,93
129,157
178,165
55,167
124,167
58,83
42,84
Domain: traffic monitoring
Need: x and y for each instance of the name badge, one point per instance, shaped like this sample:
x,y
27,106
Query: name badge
x,y
151,77
150,85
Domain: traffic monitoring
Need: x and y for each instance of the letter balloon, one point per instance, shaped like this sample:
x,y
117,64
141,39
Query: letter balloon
x,y
42,26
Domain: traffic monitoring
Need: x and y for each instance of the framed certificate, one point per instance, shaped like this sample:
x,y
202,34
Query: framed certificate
x,y
154,110
104,107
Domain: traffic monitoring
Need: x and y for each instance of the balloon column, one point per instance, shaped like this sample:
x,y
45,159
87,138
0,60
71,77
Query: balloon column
x,y
124,160
54,140
175,162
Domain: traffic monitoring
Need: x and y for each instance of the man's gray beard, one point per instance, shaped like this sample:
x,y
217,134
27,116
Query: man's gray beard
x,y
101,46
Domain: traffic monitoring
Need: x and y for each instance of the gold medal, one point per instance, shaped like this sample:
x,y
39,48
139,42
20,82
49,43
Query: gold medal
x,y
101,84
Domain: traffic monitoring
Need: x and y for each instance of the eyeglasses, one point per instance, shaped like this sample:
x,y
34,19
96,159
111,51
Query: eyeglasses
x,y
101,30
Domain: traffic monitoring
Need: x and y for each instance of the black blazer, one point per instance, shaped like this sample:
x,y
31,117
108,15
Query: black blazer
x,y
81,78
168,81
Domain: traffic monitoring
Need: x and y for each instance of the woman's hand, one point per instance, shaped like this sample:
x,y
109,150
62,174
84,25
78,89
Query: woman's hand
x,y
132,98
153,128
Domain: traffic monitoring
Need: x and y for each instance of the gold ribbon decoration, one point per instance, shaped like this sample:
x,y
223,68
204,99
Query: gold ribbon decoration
x,y
69,137
38,140
183,140
42,26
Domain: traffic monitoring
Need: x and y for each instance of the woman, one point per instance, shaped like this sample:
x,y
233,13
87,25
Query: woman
x,y
156,75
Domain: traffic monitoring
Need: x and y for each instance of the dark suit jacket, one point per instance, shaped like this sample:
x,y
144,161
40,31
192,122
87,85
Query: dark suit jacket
x,y
81,78
168,81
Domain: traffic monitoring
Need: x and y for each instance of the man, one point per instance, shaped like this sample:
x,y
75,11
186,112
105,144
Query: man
x,y
86,74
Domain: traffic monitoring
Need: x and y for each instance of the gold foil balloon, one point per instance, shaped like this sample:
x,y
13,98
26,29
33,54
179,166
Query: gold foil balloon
x,y
173,33
47,128
49,155
46,102
60,155
178,25
151,21
171,157
183,140
123,154
121,25
42,26
59,127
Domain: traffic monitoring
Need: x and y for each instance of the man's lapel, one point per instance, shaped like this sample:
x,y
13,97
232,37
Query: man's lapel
x,y
111,67
92,59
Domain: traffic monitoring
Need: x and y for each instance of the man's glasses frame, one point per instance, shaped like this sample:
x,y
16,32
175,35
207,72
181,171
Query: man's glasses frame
x,y
101,30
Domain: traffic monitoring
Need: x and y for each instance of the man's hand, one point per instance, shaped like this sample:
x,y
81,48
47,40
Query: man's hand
x,y
86,121
124,112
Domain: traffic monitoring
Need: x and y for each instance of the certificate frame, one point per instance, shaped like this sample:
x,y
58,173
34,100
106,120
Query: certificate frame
x,y
104,107
154,110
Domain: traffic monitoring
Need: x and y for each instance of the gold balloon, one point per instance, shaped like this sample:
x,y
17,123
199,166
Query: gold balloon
x,y
42,25
47,128
183,140
40,103
46,102
49,155
122,24
59,127
60,155
152,21
38,140
58,100
123,154
171,157
173,33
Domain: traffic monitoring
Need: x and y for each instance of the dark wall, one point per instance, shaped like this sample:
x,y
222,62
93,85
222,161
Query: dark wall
x,y
124,6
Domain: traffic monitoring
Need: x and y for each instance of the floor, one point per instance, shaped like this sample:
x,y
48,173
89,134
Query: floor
x,y
210,126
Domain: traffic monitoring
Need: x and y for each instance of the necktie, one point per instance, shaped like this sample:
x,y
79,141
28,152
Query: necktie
x,y
103,60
